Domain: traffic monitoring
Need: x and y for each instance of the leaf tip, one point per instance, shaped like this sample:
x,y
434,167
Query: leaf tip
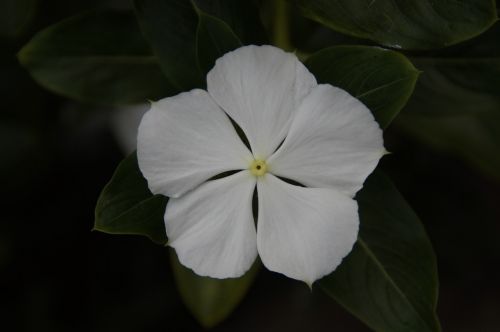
x,y
96,228
196,8
22,55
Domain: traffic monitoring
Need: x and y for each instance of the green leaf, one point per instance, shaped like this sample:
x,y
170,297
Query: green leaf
x,y
243,18
15,16
211,300
407,24
214,39
98,57
183,40
456,105
389,280
126,206
170,27
476,139
383,80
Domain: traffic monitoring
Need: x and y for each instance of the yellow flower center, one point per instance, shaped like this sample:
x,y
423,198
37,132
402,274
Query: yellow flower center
x,y
258,167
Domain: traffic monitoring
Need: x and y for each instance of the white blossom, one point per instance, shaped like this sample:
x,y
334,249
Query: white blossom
x,y
314,134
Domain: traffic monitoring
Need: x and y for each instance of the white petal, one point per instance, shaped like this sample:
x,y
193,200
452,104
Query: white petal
x,y
304,232
185,140
212,227
260,87
333,142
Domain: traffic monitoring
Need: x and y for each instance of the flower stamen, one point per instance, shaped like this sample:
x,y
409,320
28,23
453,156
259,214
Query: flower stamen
x,y
258,167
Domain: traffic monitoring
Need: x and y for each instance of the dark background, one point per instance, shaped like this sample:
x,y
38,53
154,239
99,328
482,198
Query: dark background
x,y
58,275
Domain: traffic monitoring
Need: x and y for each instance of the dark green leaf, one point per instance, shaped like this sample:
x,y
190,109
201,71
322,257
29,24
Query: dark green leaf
x,y
310,37
408,24
241,16
383,80
98,57
211,300
476,138
126,206
389,280
214,39
456,104
171,26
15,16
469,70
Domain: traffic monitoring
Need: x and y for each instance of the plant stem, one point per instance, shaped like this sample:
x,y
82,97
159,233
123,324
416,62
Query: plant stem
x,y
281,31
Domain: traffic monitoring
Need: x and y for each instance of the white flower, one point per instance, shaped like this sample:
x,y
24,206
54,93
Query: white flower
x,y
316,135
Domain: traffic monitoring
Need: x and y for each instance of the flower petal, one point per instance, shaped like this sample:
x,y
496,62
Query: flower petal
x,y
333,142
304,232
185,140
212,227
260,87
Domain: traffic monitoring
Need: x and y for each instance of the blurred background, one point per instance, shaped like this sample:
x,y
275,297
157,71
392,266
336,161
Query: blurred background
x,y
58,275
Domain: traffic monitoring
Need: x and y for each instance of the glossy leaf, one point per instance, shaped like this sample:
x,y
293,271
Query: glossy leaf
x,y
211,300
214,39
389,280
170,27
126,206
383,80
408,24
456,105
98,57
